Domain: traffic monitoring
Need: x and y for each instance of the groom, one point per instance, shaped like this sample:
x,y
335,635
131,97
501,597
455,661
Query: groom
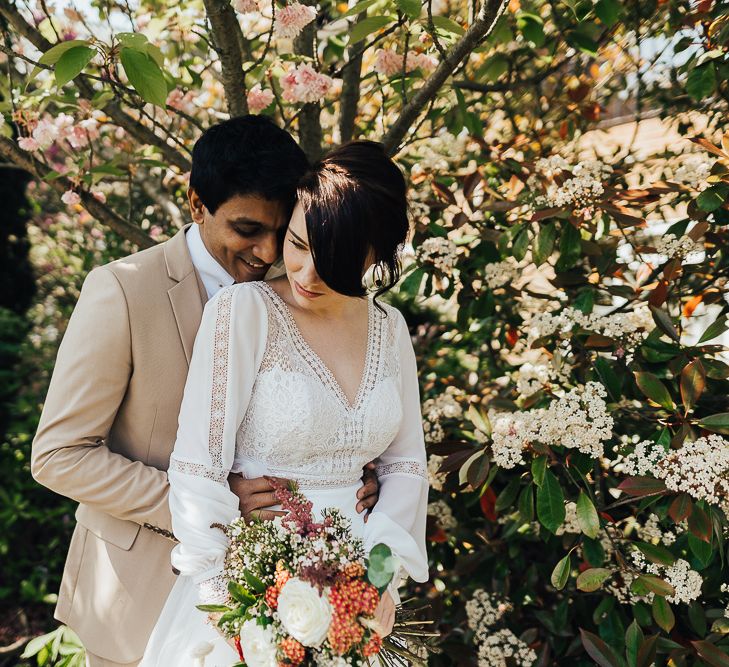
x,y
110,418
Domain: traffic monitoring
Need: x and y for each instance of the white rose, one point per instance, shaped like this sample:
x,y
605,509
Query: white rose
x,y
304,614
258,644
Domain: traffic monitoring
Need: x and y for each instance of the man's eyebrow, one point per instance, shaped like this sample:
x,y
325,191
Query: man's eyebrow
x,y
297,237
247,221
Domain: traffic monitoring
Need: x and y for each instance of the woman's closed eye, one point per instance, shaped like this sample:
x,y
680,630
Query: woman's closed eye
x,y
298,246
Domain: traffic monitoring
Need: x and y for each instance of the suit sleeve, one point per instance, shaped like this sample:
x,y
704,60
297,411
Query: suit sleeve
x,y
225,361
70,454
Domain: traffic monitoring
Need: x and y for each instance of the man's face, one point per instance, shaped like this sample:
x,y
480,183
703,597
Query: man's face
x,y
243,235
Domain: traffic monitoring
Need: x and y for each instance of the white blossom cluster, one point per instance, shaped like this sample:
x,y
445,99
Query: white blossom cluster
x,y
440,252
671,246
699,468
485,610
582,189
693,171
444,406
438,152
629,327
502,645
533,376
651,531
498,274
686,582
436,479
579,420
443,514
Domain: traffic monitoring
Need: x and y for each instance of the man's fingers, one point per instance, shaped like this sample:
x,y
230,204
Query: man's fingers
x,y
253,485
366,503
265,515
261,500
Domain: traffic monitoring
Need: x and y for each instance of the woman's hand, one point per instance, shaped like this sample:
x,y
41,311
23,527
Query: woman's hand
x,y
385,614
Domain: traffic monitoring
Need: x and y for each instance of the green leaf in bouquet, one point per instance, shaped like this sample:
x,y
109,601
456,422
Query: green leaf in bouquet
x,y
254,582
587,516
232,615
213,608
240,594
550,503
381,566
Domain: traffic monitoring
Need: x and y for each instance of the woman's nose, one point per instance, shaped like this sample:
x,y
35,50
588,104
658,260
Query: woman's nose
x,y
309,276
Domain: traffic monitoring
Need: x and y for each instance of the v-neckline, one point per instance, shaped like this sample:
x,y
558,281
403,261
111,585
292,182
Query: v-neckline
x,y
317,363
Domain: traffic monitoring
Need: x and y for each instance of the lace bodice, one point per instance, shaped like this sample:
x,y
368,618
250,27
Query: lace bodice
x,y
299,422
258,394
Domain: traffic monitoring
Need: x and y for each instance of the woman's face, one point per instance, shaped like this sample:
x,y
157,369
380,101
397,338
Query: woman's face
x,y
309,291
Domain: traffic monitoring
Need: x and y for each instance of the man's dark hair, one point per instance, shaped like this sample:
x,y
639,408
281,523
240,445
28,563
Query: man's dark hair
x,y
355,206
246,155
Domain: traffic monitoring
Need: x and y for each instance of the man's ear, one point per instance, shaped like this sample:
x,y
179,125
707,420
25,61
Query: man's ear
x,y
197,208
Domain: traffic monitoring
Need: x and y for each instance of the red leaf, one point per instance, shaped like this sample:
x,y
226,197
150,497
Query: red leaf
x,y
642,486
681,508
488,502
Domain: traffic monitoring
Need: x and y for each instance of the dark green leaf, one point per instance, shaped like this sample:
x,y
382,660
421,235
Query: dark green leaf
x,y
532,27
680,508
633,640
368,26
664,323
254,582
587,516
608,378
701,81
654,389
550,503
539,467
526,504
212,608
570,248
608,11
718,423
647,652
598,650
359,8
711,654
145,76
520,245
693,382
561,573
699,524
240,594
656,553
508,494
72,63
53,54
411,8
649,582
711,199
714,330
444,24
133,40
543,244
697,618
592,579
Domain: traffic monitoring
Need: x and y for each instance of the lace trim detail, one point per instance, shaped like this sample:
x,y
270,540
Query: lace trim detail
x,y
214,590
409,467
198,470
220,378
372,356
316,482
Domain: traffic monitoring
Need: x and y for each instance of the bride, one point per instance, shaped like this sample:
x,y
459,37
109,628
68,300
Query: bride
x,y
302,377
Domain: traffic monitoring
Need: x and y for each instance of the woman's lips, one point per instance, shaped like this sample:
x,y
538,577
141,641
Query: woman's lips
x,y
306,293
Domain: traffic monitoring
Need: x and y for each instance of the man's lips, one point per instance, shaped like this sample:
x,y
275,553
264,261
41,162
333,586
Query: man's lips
x,y
305,292
254,268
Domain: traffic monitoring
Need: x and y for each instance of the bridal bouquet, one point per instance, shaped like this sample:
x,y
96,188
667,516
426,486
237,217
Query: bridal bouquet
x,y
303,593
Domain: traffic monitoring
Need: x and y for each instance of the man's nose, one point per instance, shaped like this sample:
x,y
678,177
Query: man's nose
x,y
267,248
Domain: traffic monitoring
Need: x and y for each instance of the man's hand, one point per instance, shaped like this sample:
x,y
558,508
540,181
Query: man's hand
x,y
256,497
385,615
369,493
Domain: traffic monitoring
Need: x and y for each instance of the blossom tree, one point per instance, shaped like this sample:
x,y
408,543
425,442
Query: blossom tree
x,y
567,298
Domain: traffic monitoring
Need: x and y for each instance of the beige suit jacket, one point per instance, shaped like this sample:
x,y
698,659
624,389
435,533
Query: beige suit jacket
x,y
105,437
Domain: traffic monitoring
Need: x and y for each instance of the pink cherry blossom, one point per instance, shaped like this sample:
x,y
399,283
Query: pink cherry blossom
x,y
304,84
28,144
258,99
421,60
290,20
45,133
99,196
389,62
245,6
70,198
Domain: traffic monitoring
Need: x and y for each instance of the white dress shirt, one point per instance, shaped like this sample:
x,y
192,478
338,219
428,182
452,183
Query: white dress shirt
x,y
213,276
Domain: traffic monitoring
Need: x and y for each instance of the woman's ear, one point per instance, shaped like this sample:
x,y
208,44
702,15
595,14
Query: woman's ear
x,y
197,208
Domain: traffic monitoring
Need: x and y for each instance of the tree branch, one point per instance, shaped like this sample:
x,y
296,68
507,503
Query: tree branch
x,y
10,151
491,10
226,40
351,88
511,84
310,132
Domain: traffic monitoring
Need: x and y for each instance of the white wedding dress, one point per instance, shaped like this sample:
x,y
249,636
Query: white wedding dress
x,y
258,400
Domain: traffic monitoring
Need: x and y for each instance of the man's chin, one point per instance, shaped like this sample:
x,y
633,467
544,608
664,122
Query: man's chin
x,y
246,273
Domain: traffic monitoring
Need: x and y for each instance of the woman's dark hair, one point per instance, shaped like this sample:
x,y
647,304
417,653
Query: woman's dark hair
x,y
246,155
355,206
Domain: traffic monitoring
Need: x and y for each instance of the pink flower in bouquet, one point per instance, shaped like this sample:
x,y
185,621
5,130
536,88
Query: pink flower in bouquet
x,y
245,6
259,99
292,19
304,84
28,144
70,198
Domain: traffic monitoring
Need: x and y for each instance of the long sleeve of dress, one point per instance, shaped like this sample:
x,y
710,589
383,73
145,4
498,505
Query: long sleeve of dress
x,y
225,361
398,518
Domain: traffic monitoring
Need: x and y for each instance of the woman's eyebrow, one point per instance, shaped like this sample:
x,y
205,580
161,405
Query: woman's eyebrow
x,y
297,237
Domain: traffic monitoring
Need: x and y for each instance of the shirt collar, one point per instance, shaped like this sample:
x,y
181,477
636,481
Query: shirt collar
x,y
213,276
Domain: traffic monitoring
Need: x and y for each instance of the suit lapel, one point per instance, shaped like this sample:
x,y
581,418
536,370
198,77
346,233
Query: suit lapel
x,y
186,297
